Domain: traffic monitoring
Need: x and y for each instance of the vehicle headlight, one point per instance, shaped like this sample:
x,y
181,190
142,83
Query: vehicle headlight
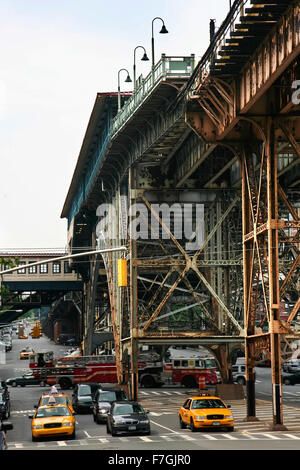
x,y
200,417
38,426
229,417
103,411
145,421
66,424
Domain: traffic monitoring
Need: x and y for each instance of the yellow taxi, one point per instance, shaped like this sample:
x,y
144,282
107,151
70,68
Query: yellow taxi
x,y
25,353
52,421
205,411
60,399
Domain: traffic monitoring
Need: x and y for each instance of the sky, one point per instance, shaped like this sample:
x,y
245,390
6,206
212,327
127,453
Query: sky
x,y
55,55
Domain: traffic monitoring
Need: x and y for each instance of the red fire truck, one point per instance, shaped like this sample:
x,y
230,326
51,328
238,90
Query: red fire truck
x,y
69,371
186,371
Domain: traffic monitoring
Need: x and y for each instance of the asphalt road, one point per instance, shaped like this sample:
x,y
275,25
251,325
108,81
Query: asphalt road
x,y
163,405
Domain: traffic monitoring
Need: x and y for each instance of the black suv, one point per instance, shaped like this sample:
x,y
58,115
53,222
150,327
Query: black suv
x,y
4,401
104,397
83,396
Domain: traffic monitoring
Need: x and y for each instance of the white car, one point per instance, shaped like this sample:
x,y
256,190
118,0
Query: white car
x,y
292,365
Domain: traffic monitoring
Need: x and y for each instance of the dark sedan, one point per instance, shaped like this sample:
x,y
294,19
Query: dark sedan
x,y
26,379
291,379
127,417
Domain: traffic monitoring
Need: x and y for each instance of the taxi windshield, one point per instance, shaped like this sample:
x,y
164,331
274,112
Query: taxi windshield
x,y
207,403
52,411
58,400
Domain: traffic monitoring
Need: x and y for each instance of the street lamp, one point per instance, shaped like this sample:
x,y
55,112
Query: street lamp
x,y
145,57
128,80
162,31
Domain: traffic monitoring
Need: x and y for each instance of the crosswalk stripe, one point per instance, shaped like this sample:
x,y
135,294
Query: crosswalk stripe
x,y
208,436
292,436
145,439
61,443
271,436
103,440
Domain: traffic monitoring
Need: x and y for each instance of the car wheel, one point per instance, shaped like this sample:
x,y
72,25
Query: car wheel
x,y
34,439
287,382
43,383
241,380
113,433
181,423
107,429
14,384
73,436
148,381
192,425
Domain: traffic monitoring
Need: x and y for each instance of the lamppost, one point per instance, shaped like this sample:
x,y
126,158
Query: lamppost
x,y
162,31
145,57
128,80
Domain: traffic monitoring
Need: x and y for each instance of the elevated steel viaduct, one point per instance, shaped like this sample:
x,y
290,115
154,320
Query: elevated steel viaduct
x,y
218,144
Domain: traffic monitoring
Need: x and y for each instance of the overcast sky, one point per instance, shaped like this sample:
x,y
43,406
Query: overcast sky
x,y
55,55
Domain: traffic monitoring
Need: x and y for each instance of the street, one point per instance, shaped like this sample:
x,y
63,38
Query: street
x,y
163,405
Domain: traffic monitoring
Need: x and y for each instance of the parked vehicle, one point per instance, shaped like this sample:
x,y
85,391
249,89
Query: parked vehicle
x,y
104,397
127,417
4,401
4,427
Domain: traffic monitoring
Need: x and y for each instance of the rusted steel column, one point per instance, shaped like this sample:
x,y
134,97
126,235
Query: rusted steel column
x,y
273,268
134,385
248,310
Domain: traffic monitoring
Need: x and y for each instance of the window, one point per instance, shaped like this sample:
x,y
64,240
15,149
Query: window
x,y
185,363
22,271
32,269
44,268
56,269
67,268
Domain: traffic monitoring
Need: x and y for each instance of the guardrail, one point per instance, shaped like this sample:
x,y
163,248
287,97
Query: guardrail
x,y
167,67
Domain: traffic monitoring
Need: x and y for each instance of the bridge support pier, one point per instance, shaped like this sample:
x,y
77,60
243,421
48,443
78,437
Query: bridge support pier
x,y
261,262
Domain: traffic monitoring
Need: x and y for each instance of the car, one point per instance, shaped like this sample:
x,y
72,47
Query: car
x,y
126,417
83,395
24,380
104,397
4,427
8,344
60,398
4,401
291,379
239,373
293,365
53,420
205,411
26,352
